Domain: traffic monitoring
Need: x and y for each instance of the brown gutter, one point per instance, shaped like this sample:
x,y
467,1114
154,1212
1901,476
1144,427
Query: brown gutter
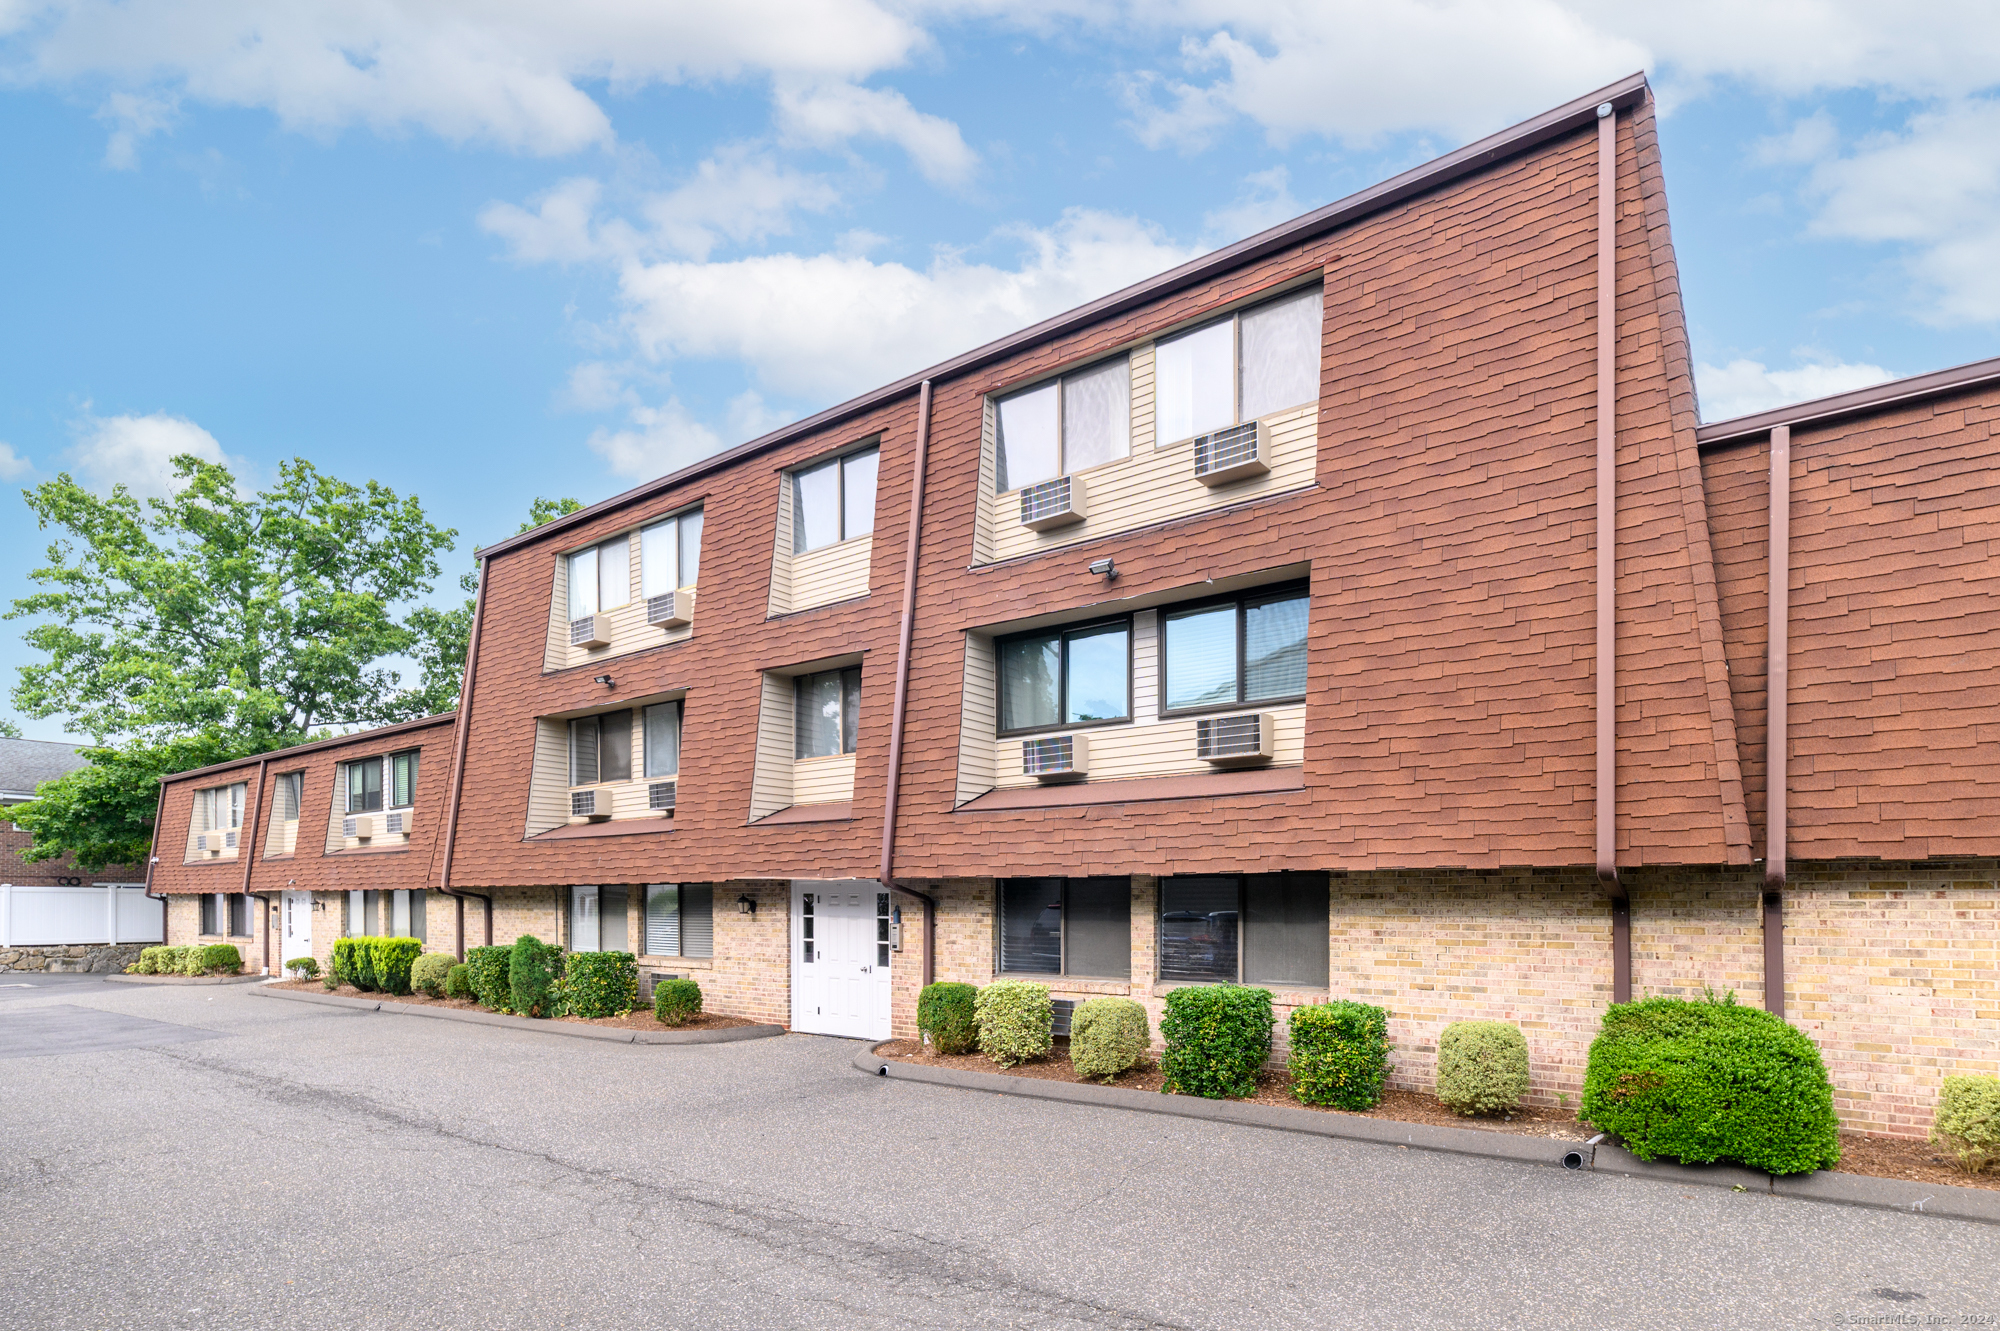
x,y
358,737
1851,403
1607,553
464,725
1777,743
888,870
247,852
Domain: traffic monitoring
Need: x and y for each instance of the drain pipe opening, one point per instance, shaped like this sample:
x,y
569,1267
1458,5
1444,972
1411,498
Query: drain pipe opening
x,y
1573,1160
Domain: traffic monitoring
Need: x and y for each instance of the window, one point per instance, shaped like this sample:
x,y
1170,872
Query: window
x,y
1064,425
242,908
1254,362
600,748
680,920
406,914
827,712
212,914
1252,929
663,739
834,501
1066,677
402,779
289,795
1228,653
364,786
670,554
597,919
1066,926
220,807
600,578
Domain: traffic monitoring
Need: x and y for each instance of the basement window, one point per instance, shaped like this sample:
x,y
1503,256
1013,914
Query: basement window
x,y
1268,928
1066,926
680,920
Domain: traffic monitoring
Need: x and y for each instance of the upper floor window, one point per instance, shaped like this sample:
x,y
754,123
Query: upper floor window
x,y
600,578
669,554
221,806
1244,650
1063,677
1252,363
600,748
290,794
366,784
1064,425
663,739
834,501
828,712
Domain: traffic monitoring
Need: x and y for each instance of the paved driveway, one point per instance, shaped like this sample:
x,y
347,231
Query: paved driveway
x,y
314,1167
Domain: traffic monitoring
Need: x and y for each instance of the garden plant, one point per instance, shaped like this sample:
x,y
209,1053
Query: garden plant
x,y
1482,1067
1108,1037
1218,1038
946,1013
1340,1054
1016,1021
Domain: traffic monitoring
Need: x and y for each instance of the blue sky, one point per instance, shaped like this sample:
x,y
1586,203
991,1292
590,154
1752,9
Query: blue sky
x,y
484,253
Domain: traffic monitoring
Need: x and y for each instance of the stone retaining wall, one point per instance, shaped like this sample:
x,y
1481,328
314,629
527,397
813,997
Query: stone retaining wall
x,y
93,958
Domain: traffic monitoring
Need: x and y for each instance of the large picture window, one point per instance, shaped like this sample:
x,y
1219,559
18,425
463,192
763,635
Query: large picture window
x,y
600,578
680,920
1066,677
1254,362
1065,425
834,501
600,748
1251,649
827,712
1066,926
670,554
1246,928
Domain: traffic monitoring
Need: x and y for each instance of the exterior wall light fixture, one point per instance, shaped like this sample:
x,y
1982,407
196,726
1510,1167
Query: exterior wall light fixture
x,y
605,680
746,905
1104,568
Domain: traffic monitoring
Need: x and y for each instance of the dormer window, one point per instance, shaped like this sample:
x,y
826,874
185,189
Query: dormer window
x,y
1065,425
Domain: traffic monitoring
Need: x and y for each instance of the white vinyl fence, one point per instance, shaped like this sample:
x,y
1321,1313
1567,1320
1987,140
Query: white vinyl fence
x,y
103,913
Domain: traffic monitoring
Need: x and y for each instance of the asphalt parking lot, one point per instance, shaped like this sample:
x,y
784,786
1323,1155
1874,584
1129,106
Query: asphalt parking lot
x,y
267,1164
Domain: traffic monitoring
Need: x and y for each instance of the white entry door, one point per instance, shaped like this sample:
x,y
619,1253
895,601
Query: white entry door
x,y
298,912
840,957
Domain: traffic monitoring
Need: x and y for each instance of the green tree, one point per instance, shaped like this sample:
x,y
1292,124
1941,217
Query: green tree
x,y
8,730
103,813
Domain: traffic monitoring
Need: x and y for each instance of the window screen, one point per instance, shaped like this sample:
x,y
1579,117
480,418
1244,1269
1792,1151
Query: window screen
x,y
1282,933
1027,438
857,493
659,558
663,739
583,751
614,746
1075,926
1070,424
290,790
827,712
1192,385
211,913
364,786
690,548
583,919
402,780
614,573
416,928
1031,925
242,911
1264,359
697,920
356,914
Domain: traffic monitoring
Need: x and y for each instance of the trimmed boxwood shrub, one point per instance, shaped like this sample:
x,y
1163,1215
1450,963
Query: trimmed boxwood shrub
x,y
946,1013
676,1002
600,984
1218,1037
491,969
303,968
1482,1066
458,981
1108,1036
1968,1120
391,960
532,973
1700,1080
211,958
427,973
1016,1021
1340,1054
154,960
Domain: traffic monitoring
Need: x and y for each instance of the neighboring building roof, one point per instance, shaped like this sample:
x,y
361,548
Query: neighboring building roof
x,y
26,763
358,737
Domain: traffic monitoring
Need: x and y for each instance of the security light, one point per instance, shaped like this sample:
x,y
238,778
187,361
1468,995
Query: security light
x,y
1104,568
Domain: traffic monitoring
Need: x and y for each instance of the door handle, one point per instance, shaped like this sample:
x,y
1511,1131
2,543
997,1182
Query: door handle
x,y
866,969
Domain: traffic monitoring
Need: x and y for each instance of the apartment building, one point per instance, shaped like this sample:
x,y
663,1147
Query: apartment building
x,y
1251,623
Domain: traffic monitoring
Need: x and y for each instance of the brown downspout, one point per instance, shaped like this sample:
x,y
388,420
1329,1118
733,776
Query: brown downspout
x,y
248,852
1777,746
1607,554
153,858
458,768
888,870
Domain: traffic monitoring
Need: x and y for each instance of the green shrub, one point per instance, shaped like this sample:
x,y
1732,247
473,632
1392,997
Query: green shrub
x,y
458,981
153,960
1108,1036
532,973
1968,1120
491,968
1016,1021
391,960
303,968
1218,1036
1340,1054
221,959
676,1002
1482,1066
331,981
191,962
1703,1080
946,1013
600,984
427,973
343,961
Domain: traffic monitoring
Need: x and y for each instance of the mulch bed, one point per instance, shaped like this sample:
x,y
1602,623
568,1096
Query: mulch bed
x,y
640,1020
1860,1153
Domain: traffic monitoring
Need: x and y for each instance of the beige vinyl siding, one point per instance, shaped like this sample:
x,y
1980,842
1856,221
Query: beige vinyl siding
x,y
1145,667
548,787
1159,748
977,719
989,476
1142,399
629,630
831,573
780,600
283,836
771,783
334,839
1153,484
823,780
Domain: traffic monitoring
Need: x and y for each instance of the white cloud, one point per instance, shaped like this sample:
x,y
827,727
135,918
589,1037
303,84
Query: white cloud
x,y
138,452
829,325
1266,200
662,439
1745,386
12,465
132,118
828,115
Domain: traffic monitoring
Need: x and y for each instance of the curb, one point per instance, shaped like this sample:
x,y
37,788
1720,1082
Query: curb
x,y
1599,1156
185,979
611,1034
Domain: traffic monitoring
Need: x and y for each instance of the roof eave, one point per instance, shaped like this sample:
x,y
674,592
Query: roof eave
x,y
358,737
1854,402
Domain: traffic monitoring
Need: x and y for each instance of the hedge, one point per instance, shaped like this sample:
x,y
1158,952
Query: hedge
x,y
211,958
1340,1054
303,968
427,974
946,1013
490,967
1016,1021
1968,1120
600,984
676,1002
1482,1066
1218,1037
458,981
1701,1080
391,959
532,973
1108,1036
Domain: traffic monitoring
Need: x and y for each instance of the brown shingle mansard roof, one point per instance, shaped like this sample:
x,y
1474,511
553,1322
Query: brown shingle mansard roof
x,y
281,755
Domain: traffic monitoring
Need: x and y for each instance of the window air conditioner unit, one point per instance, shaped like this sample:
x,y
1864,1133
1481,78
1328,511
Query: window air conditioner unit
x,y
1056,757
397,822
211,842
362,826
229,838
1235,454
1234,741
590,631
660,796
1056,503
590,804
670,610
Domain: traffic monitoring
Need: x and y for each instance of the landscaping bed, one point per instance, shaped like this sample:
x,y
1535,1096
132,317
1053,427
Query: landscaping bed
x,y
639,1020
